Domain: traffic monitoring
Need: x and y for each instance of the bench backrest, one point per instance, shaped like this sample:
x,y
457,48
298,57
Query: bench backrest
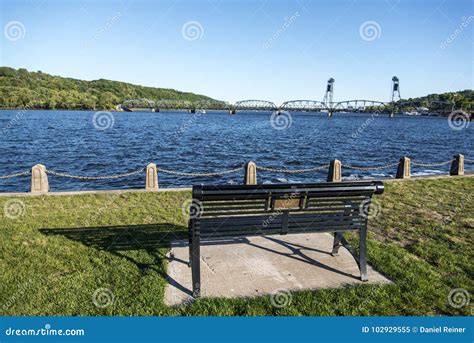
x,y
233,211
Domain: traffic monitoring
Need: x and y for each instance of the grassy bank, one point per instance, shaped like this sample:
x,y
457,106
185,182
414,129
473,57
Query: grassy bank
x,y
56,251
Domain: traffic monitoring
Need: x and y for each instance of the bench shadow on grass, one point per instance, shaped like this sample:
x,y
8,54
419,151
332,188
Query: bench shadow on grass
x,y
117,240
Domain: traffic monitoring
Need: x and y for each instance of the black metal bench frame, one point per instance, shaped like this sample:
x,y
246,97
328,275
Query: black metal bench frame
x,y
218,212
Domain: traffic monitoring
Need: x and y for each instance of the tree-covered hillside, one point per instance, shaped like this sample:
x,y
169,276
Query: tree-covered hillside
x,y
21,88
461,100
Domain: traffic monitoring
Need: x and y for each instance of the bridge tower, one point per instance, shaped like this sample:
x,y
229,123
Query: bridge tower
x,y
327,100
396,89
395,94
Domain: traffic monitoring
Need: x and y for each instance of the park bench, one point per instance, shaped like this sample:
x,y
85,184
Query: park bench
x,y
236,211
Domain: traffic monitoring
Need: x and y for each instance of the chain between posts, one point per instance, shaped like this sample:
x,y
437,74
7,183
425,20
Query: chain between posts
x,y
107,177
325,166
9,176
348,166
431,164
230,171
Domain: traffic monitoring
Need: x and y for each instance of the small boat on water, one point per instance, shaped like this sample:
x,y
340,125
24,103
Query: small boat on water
x,y
412,113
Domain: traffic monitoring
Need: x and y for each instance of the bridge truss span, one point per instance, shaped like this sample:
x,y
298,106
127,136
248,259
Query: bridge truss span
x,y
255,105
360,106
303,106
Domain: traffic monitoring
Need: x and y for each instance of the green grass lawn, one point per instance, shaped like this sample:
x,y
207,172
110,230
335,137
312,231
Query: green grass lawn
x,y
56,251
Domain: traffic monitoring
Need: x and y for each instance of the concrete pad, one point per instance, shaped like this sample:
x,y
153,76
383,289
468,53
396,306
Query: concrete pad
x,y
263,265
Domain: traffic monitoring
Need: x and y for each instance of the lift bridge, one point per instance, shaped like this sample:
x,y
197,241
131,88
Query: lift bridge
x,y
396,105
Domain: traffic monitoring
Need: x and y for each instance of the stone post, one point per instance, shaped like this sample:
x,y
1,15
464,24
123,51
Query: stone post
x,y
334,174
457,166
250,177
403,170
151,183
39,179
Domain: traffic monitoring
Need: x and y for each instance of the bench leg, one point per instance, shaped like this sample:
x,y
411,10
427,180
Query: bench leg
x,y
196,266
362,253
336,244
190,244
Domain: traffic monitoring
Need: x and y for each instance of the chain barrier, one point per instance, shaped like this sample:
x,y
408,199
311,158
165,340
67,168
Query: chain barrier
x,y
325,166
172,172
349,166
107,177
230,171
431,164
15,175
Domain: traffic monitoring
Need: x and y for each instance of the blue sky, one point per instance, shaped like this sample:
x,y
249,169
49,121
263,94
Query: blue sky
x,y
272,50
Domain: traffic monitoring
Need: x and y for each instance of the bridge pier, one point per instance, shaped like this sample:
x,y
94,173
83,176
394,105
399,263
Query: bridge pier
x,y
329,114
232,111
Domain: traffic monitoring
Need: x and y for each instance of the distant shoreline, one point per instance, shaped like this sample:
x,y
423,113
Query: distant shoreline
x,y
211,110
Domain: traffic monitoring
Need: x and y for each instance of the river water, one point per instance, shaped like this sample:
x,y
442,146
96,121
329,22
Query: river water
x,y
86,143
